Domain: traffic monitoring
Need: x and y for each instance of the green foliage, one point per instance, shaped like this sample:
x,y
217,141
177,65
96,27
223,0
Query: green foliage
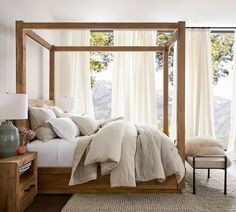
x,y
161,40
221,50
99,61
222,54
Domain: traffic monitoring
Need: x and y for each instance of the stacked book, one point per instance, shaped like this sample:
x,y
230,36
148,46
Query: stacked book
x,y
25,167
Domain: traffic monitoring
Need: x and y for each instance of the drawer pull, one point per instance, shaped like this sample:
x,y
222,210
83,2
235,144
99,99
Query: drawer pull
x,y
30,187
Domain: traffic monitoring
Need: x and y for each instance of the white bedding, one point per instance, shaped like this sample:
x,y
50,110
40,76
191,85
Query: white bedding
x,y
54,153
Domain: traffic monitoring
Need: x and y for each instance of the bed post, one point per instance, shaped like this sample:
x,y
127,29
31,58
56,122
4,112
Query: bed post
x,y
165,92
181,93
52,73
20,63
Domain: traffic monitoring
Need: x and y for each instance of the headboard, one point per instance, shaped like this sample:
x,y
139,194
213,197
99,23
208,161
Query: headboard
x,y
40,102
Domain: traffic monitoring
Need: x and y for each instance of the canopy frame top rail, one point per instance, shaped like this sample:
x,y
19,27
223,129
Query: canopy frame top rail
x,y
28,28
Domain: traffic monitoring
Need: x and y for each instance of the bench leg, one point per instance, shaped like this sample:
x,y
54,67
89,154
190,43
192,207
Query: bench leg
x,y
225,183
194,181
208,174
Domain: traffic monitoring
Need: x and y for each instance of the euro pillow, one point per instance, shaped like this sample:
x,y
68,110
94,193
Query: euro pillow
x,y
56,110
86,124
39,116
65,128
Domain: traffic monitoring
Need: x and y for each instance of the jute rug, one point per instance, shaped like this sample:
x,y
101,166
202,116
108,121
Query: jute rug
x,y
209,197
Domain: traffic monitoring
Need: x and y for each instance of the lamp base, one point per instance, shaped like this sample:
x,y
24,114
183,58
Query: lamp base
x,y
9,139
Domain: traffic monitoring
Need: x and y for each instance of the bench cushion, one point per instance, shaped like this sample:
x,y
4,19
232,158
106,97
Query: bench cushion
x,y
217,163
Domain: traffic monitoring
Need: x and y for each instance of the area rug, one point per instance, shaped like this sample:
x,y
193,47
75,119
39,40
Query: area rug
x,y
209,197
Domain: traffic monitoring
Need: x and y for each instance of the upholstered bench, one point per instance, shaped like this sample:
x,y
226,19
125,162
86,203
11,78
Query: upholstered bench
x,y
208,162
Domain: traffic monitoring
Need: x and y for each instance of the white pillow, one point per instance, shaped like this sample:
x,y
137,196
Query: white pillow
x,y
39,116
86,124
56,110
65,128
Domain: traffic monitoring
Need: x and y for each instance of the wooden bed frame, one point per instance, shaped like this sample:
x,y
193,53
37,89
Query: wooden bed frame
x,y
54,180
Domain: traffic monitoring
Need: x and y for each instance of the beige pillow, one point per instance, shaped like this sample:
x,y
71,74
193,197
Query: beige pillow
x,y
65,128
45,132
39,116
86,124
196,146
56,110
203,146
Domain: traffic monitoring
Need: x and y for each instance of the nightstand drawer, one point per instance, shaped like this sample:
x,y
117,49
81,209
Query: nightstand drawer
x,y
27,195
27,191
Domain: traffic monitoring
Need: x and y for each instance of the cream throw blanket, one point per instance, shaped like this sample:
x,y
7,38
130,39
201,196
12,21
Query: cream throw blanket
x,y
128,153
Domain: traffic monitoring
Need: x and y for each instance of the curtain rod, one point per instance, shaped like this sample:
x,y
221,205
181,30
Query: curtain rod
x,y
216,29
210,27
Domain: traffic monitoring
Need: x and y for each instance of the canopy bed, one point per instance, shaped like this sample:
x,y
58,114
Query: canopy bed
x,y
55,179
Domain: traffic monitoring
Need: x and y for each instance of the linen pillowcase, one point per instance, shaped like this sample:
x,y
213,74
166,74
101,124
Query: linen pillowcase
x,y
45,132
39,116
65,128
56,110
86,124
38,121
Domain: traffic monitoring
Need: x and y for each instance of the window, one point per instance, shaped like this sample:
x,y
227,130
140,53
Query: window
x,y
222,56
222,64
101,74
161,39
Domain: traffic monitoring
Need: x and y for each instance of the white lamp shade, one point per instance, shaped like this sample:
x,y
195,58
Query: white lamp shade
x,y
13,106
66,103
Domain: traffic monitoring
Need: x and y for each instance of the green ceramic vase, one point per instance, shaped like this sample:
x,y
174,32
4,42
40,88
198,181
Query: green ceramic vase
x,y
9,139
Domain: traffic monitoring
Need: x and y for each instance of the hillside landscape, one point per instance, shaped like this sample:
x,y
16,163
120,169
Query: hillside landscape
x,y
102,94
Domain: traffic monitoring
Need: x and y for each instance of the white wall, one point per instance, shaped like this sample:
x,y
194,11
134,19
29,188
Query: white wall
x,y
37,58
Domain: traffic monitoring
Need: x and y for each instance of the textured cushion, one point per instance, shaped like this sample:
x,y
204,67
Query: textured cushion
x,y
207,162
56,110
65,128
39,116
45,132
203,146
86,124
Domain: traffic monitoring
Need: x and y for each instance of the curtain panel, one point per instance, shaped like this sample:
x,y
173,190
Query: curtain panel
x,y
74,74
199,97
133,91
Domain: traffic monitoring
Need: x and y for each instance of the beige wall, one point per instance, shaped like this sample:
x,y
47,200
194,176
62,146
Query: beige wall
x,y
37,58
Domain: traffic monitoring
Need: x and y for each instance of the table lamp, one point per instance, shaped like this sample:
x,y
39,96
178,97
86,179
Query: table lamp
x,y
12,107
66,103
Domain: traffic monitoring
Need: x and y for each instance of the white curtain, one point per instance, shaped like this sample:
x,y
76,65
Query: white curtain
x,y
199,98
232,135
75,73
133,91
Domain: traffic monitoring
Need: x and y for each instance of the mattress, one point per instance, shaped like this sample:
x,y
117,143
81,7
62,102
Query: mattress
x,y
54,153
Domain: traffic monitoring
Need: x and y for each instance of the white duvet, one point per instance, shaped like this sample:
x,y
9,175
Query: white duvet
x,y
129,153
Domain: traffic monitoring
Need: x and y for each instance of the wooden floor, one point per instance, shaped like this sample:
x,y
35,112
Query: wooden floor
x,y
48,203
54,203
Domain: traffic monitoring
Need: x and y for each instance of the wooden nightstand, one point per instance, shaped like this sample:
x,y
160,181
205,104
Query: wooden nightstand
x,y
17,190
